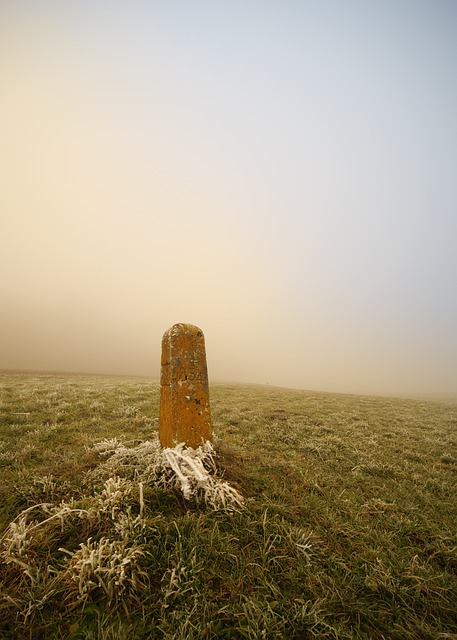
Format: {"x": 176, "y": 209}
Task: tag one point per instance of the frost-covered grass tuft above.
{"x": 191, "y": 471}
{"x": 108, "y": 566}
{"x": 194, "y": 475}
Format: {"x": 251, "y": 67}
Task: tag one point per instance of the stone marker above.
{"x": 184, "y": 391}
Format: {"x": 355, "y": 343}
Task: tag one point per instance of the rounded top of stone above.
{"x": 181, "y": 328}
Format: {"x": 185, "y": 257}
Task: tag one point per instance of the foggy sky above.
{"x": 281, "y": 174}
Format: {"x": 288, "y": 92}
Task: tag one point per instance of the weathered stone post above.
{"x": 185, "y": 414}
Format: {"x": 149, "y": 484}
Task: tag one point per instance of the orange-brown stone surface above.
{"x": 185, "y": 414}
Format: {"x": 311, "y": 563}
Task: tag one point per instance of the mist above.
{"x": 280, "y": 174}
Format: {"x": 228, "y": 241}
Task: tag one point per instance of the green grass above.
{"x": 348, "y": 528}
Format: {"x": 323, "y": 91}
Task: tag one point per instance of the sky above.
{"x": 281, "y": 174}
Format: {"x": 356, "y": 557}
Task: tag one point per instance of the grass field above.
{"x": 348, "y": 527}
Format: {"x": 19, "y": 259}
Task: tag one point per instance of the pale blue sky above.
{"x": 282, "y": 174}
